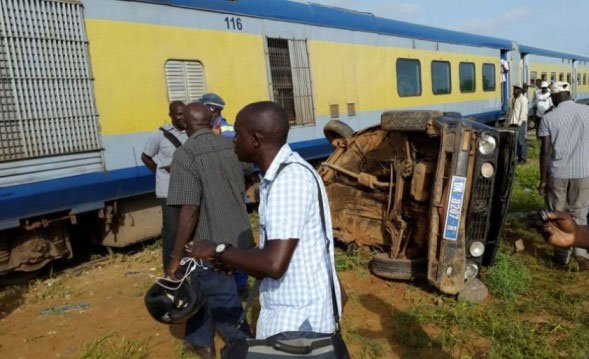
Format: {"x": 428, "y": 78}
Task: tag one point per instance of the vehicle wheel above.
{"x": 336, "y": 129}
{"x": 401, "y": 269}
{"x": 456, "y": 115}
{"x": 19, "y": 278}
{"x": 408, "y": 120}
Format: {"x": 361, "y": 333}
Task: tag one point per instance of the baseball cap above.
{"x": 544, "y": 84}
{"x": 212, "y": 99}
{"x": 560, "y": 86}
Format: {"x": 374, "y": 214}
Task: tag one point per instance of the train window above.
{"x": 543, "y": 76}
{"x": 441, "y": 79}
{"x": 561, "y": 76}
{"x": 466, "y": 73}
{"x": 553, "y": 77}
{"x": 408, "y": 77}
{"x": 584, "y": 79}
{"x": 578, "y": 79}
{"x": 290, "y": 76}
{"x": 569, "y": 78}
{"x": 185, "y": 79}
{"x": 489, "y": 77}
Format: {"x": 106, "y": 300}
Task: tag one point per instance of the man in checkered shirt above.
{"x": 207, "y": 184}
{"x": 295, "y": 293}
{"x": 564, "y": 163}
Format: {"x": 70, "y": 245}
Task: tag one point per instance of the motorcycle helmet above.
{"x": 170, "y": 302}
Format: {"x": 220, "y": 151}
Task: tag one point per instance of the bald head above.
{"x": 267, "y": 119}
{"x": 196, "y": 116}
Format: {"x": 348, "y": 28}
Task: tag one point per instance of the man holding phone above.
{"x": 560, "y": 230}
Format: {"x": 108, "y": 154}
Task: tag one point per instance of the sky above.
{"x": 561, "y": 25}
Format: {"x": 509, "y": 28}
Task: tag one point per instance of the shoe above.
{"x": 201, "y": 352}
{"x": 558, "y": 263}
{"x": 522, "y": 162}
{"x": 583, "y": 263}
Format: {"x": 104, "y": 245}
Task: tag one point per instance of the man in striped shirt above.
{"x": 564, "y": 163}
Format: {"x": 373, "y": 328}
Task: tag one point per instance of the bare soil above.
{"x": 113, "y": 292}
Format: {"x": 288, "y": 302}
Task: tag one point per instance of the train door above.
{"x": 48, "y": 119}
{"x": 575, "y": 79}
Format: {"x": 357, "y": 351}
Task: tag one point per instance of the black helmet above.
{"x": 173, "y": 306}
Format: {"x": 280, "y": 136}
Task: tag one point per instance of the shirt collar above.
{"x": 281, "y": 156}
{"x": 199, "y": 132}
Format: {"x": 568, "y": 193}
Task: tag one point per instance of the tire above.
{"x": 400, "y": 269}
{"x": 455, "y": 115}
{"x": 408, "y": 120}
{"x": 336, "y": 129}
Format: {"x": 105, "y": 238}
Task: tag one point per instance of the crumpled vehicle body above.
{"x": 423, "y": 188}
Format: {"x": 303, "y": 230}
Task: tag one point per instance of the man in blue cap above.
{"x": 216, "y": 105}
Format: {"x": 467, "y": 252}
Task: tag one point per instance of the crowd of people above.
{"x": 200, "y": 180}
{"x": 200, "y": 162}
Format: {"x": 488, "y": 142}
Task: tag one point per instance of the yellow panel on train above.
{"x": 126, "y": 55}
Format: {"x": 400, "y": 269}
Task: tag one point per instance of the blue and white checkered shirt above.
{"x": 568, "y": 128}
{"x": 301, "y": 298}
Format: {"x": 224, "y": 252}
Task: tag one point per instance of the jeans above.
{"x": 522, "y": 148}
{"x": 170, "y": 216}
{"x": 569, "y": 195}
{"x": 221, "y": 311}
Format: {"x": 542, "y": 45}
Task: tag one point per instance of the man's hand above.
{"x": 543, "y": 189}
{"x": 202, "y": 250}
{"x": 560, "y": 229}
{"x": 172, "y": 268}
{"x": 165, "y": 168}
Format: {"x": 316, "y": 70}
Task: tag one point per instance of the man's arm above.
{"x": 272, "y": 261}
{"x": 187, "y": 221}
{"x": 544, "y": 164}
{"x": 149, "y": 162}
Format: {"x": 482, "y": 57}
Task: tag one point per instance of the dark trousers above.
{"x": 170, "y": 217}
{"x": 221, "y": 311}
{"x": 522, "y": 147}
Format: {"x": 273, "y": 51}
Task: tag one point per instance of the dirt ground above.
{"x": 108, "y": 300}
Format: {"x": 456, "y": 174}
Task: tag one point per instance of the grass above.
{"x": 114, "y": 346}
{"x": 508, "y": 278}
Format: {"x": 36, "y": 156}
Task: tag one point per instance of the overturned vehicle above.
{"x": 427, "y": 189}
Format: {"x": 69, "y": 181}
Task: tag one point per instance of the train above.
{"x": 84, "y": 82}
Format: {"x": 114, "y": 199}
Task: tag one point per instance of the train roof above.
{"x": 531, "y": 50}
{"x": 321, "y": 15}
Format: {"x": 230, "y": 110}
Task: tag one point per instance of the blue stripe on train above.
{"x": 89, "y": 191}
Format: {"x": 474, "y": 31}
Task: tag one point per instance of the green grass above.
{"x": 508, "y": 278}
{"x": 524, "y": 195}
{"x": 114, "y": 346}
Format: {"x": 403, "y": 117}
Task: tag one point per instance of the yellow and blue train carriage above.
{"x": 84, "y": 83}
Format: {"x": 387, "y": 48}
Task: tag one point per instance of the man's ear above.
{"x": 256, "y": 137}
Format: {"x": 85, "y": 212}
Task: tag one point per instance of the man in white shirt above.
{"x": 518, "y": 117}
{"x": 543, "y": 101}
{"x": 157, "y": 156}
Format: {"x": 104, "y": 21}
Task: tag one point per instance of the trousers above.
{"x": 221, "y": 311}
{"x": 522, "y": 146}
{"x": 569, "y": 195}
{"x": 170, "y": 217}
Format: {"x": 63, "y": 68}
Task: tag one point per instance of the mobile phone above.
{"x": 543, "y": 215}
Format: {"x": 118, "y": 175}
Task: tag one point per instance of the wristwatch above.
{"x": 220, "y": 248}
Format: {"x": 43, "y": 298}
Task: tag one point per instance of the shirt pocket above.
{"x": 166, "y": 152}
